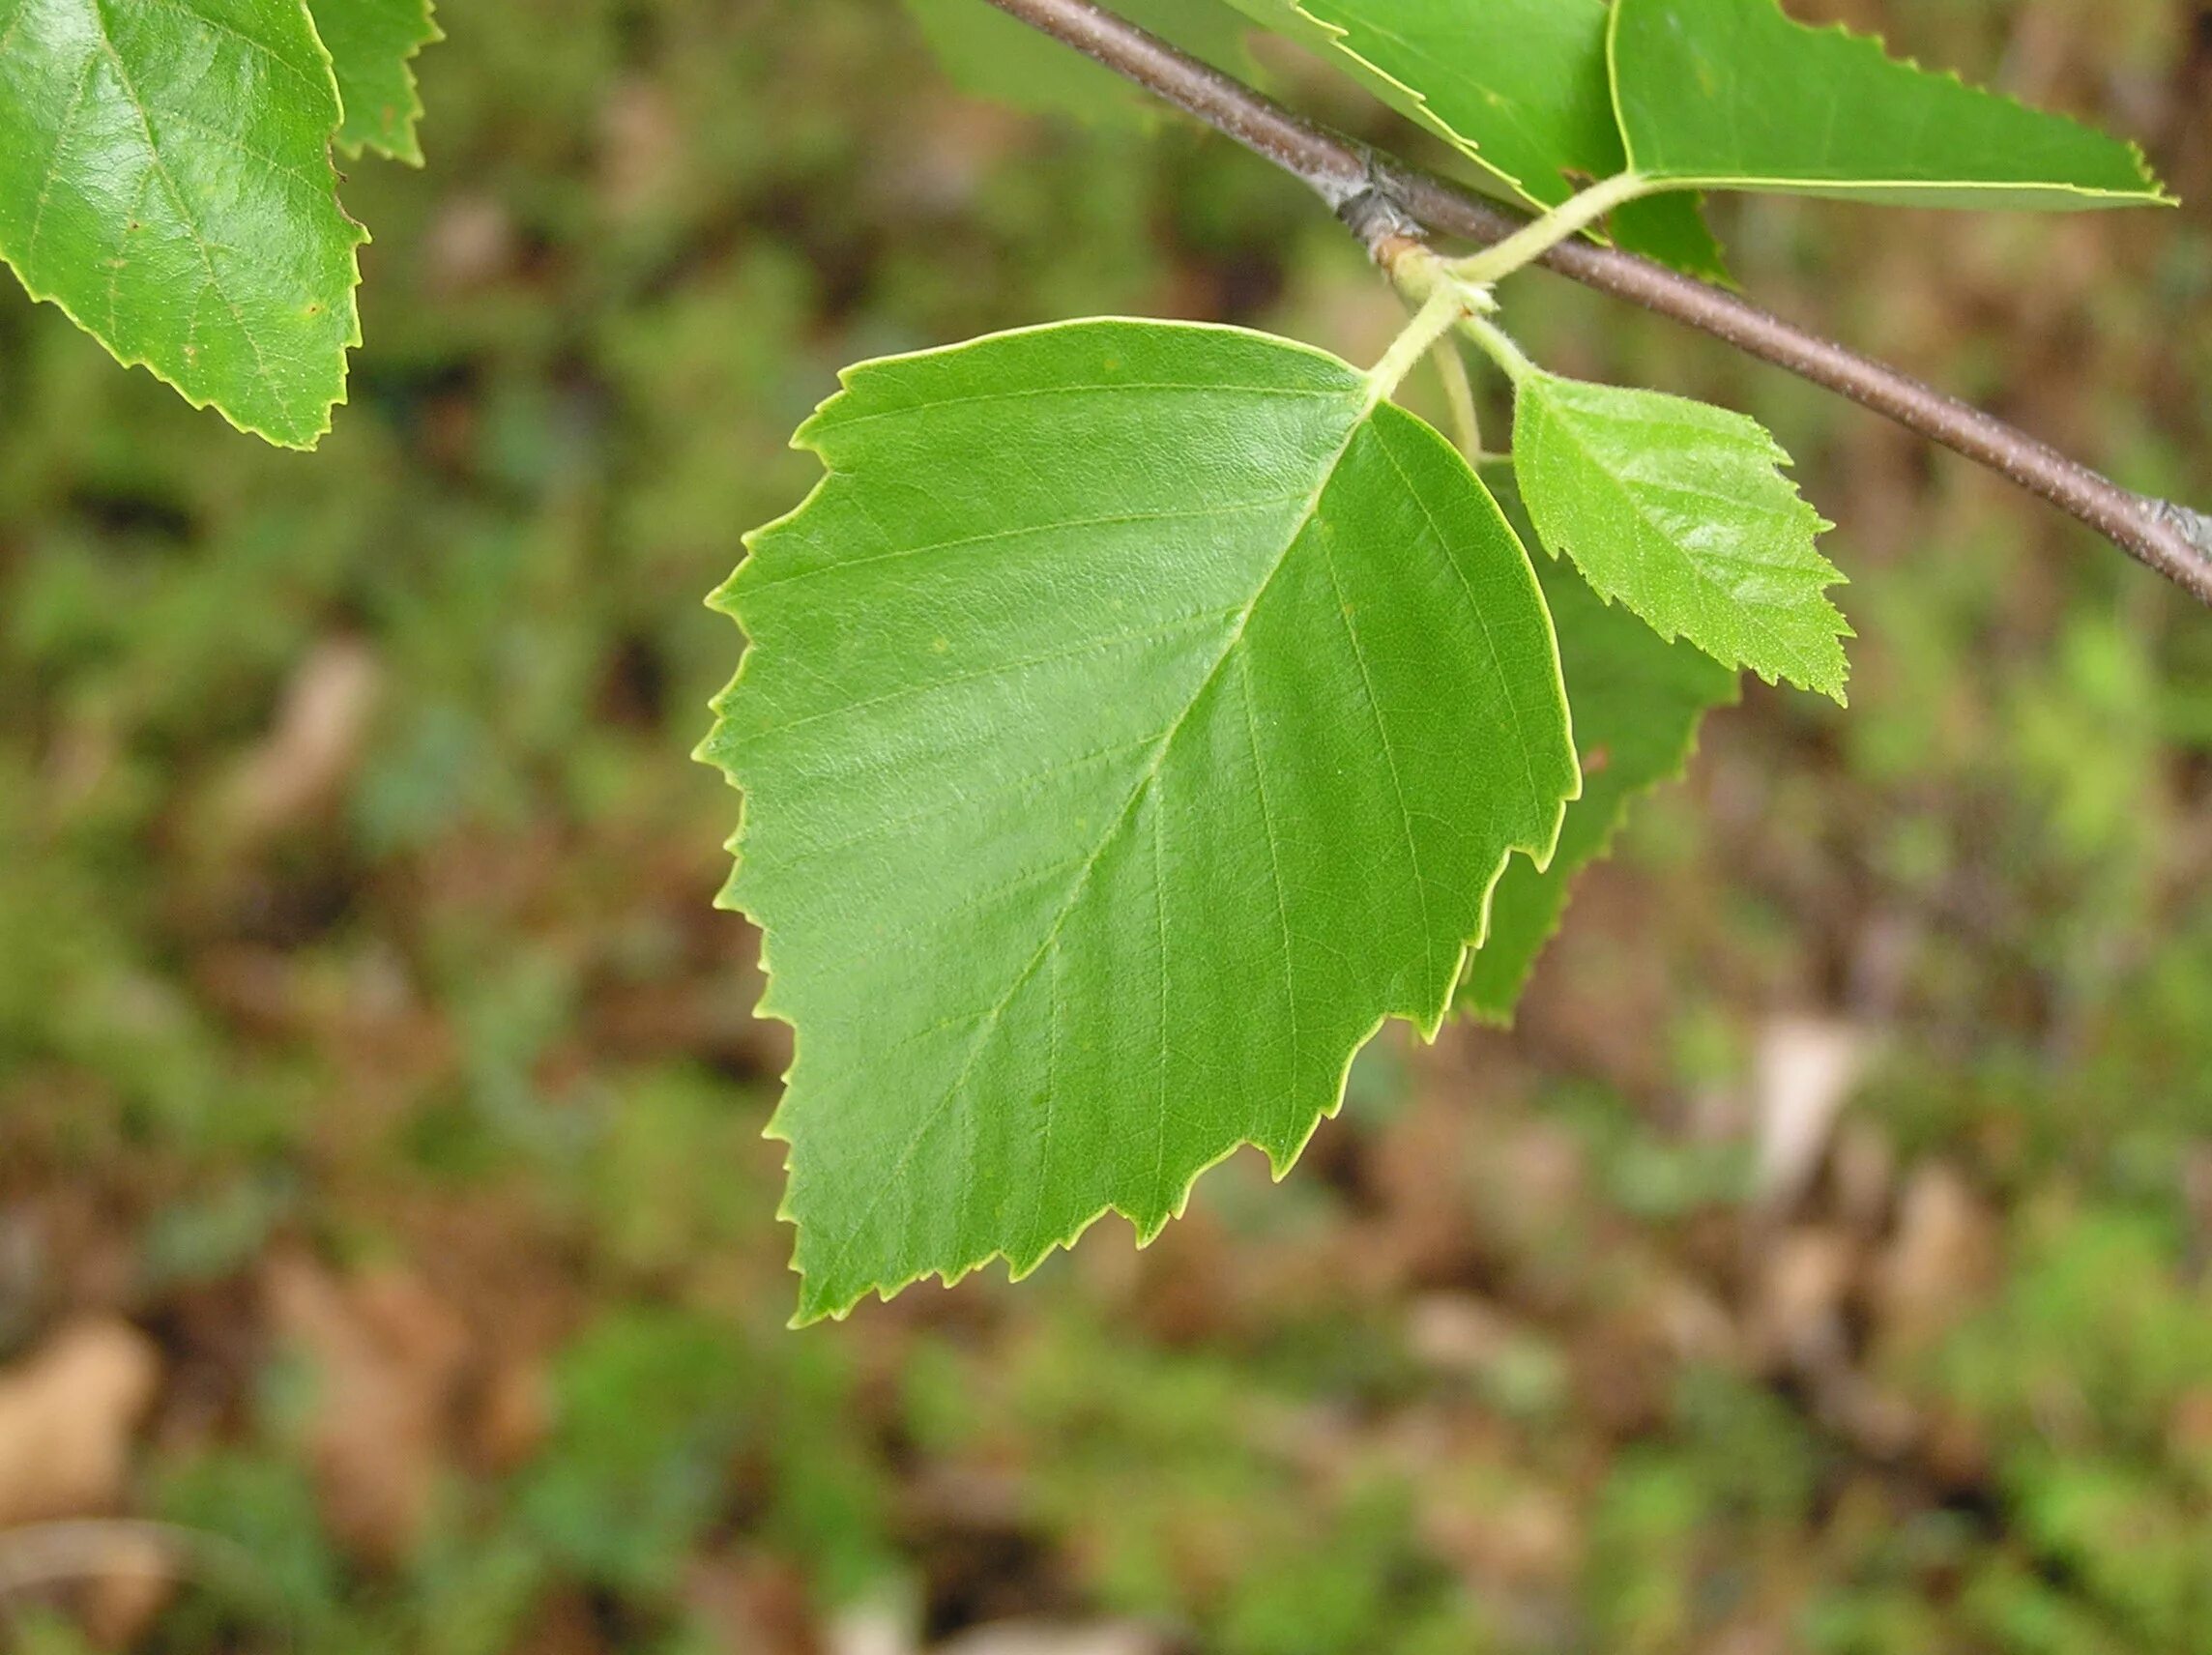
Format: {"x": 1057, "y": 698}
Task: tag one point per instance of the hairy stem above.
{"x": 1387, "y": 204}
{"x": 1500, "y": 347}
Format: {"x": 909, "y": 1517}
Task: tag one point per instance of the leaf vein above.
{"x": 843, "y": 1247}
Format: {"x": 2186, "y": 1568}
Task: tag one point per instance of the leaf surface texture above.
{"x": 1520, "y": 86}
{"x": 1681, "y": 511}
{"x": 1734, "y": 94}
{"x": 165, "y": 178}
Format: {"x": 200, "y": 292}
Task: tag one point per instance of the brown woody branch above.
{"x": 1380, "y": 197}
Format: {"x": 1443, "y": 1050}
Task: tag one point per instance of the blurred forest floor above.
{"x": 387, "y": 1245}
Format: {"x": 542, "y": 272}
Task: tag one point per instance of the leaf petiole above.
{"x": 1570, "y": 218}
{"x": 1459, "y": 397}
{"x": 1444, "y": 310}
{"x": 1498, "y": 346}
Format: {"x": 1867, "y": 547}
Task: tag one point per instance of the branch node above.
{"x": 1371, "y": 210}
{"x": 2194, "y": 526}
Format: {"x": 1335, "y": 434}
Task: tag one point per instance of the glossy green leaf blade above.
{"x": 1135, "y": 718}
{"x": 1682, "y": 511}
{"x": 1518, "y": 86}
{"x": 372, "y": 46}
{"x": 165, "y": 178}
{"x": 990, "y": 55}
{"x": 1638, "y": 702}
{"x": 1733, "y": 95}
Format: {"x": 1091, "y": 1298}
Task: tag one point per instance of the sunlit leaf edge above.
{"x": 2154, "y": 191}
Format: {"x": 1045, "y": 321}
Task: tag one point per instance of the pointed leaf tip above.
{"x": 372, "y": 46}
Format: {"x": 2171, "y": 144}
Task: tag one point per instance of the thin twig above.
{"x": 1384, "y": 200}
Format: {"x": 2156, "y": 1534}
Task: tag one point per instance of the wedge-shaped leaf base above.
{"x": 1681, "y": 511}
{"x": 1136, "y": 716}
{"x": 1733, "y": 95}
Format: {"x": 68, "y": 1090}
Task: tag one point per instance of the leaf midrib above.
{"x": 1145, "y": 781}
{"x": 99, "y": 11}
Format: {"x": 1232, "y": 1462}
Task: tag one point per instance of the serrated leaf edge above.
{"x": 1713, "y": 269}
{"x": 1784, "y": 466}
{"x": 412, "y": 155}
{"x": 1338, "y": 35}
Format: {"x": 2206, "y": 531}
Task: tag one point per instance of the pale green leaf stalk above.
{"x": 1564, "y": 222}
{"x": 1135, "y": 718}
{"x": 1639, "y": 703}
{"x": 1681, "y": 511}
{"x": 165, "y": 178}
{"x": 1734, "y": 94}
{"x": 372, "y": 46}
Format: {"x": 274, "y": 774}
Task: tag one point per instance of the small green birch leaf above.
{"x": 990, "y": 55}
{"x": 1135, "y": 718}
{"x": 1682, "y": 511}
{"x": 372, "y": 46}
{"x": 1734, "y": 94}
{"x": 1638, "y": 702}
{"x": 1518, "y": 86}
{"x": 165, "y": 178}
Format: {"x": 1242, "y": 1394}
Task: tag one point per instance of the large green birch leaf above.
{"x": 1638, "y": 702}
{"x": 1682, "y": 511}
{"x": 1733, "y": 95}
{"x": 372, "y": 46}
{"x": 1518, "y": 86}
{"x": 165, "y": 178}
{"x": 1135, "y": 718}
